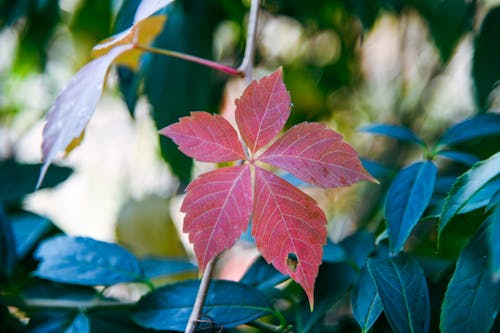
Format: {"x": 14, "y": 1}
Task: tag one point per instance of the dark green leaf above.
{"x": 59, "y": 321}
{"x": 472, "y": 299}
{"x": 18, "y": 180}
{"x": 494, "y": 231}
{"x": 175, "y": 87}
{"x": 156, "y": 267}
{"x": 407, "y": 198}
{"x": 129, "y": 80}
{"x": 334, "y": 253}
{"x": 376, "y": 169}
{"x": 448, "y": 21}
{"x": 8, "y": 255}
{"x": 482, "y": 125}
{"x": 365, "y": 301}
{"x": 28, "y": 229}
{"x": 458, "y": 156}
{"x": 358, "y": 247}
{"x": 482, "y": 197}
{"x": 119, "y": 321}
{"x": 262, "y": 275}
{"x": 227, "y": 303}
{"x": 467, "y": 186}
{"x": 485, "y": 64}
{"x": 92, "y": 20}
{"x": 393, "y": 131}
{"x": 332, "y": 283}
{"x": 85, "y": 261}
{"x": 403, "y": 291}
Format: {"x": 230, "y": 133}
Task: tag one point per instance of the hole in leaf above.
{"x": 292, "y": 261}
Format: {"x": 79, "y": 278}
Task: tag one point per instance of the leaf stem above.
{"x": 200, "y": 296}
{"x": 247, "y": 63}
{"x": 205, "y": 62}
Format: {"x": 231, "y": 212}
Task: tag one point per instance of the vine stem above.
{"x": 246, "y": 70}
{"x": 200, "y": 296}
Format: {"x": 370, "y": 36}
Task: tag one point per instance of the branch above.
{"x": 200, "y": 297}
{"x": 247, "y": 64}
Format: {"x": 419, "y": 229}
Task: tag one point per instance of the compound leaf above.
{"x": 85, "y": 261}
{"x": 206, "y": 138}
{"x": 262, "y": 110}
{"x": 467, "y": 186}
{"x": 407, "y": 199}
{"x": 227, "y": 304}
{"x": 403, "y": 291}
{"x": 289, "y": 229}
{"x": 317, "y": 155}
{"x": 218, "y": 205}
{"x": 472, "y": 298}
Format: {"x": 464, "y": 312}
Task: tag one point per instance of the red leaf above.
{"x": 218, "y": 205}
{"x": 74, "y": 107}
{"x": 317, "y": 155}
{"x": 289, "y": 229}
{"x": 206, "y": 137}
{"x": 262, "y": 110}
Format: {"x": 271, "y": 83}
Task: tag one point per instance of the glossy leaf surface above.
{"x": 85, "y": 261}
{"x": 28, "y": 229}
{"x": 289, "y": 229}
{"x": 262, "y": 110}
{"x": 365, "y": 301}
{"x": 228, "y": 304}
{"x": 403, "y": 291}
{"x": 393, "y": 131}
{"x": 218, "y": 205}
{"x": 468, "y": 185}
{"x": 407, "y": 199}
{"x": 482, "y": 197}
{"x": 317, "y": 155}
{"x": 206, "y": 138}
{"x": 472, "y": 299}
{"x": 458, "y": 156}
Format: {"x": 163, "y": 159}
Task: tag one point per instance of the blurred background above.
{"x": 422, "y": 64}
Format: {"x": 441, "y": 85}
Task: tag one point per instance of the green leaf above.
{"x": 407, "y": 198}
{"x": 358, "y": 247}
{"x": 333, "y": 281}
{"x": 156, "y": 267}
{"x": 28, "y": 229}
{"x": 393, "y": 131}
{"x": 8, "y": 255}
{"x": 467, "y": 186}
{"x": 482, "y": 197}
{"x": 365, "y": 301}
{"x": 18, "y": 180}
{"x": 458, "y": 156}
{"x": 59, "y": 321}
{"x": 448, "y": 21}
{"x": 175, "y": 87}
{"x": 494, "y": 231}
{"x": 85, "y": 261}
{"x": 403, "y": 291}
{"x": 262, "y": 275}
{"x": 227, "y": 303}
{"x": 472, "y": 299}
{"x": 487, "y": 124}
{"x": 106, "y": 321}
{"x": 485, "y": 64}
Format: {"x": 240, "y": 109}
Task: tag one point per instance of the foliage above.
{"x": 424, "y": 254}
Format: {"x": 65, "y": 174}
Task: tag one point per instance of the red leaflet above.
{"x": 289, "y": 229}
{"x": 218, "y": 205}
{"x": 288, "y": 226}
{"x": 317, "y": 155}
{"x": 206, "y": 137}
{"x": 262, "y": 110}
